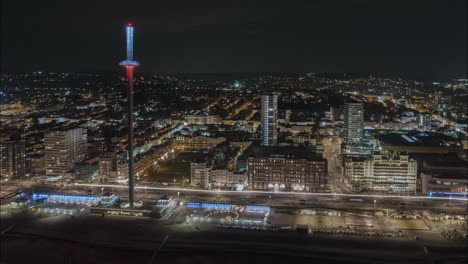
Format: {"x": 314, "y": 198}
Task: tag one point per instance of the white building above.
{"x": 63, "y": 148}
{"x": 226, "y": 178}
{"x": 200, "y": 174}
{"x": 382, "y": 173}
{"x": 203, "y": 175}
{"x": 269, "y": 119}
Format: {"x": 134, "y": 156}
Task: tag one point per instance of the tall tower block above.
{"x": 129, "y": 64}
{"x": 353, "y": 122}
{"x": 269, "y": 120}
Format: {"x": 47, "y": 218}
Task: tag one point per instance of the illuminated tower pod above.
{"x": 269, "y": 120}
{"x": 129, "y": 65}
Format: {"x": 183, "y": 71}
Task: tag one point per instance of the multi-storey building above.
{"x": 202, "y": 119}
{"x": 107, "y": 164}
{"x": 197, "y": 142}
{"x": 287, "y": 173}
{"x": 200, "y": 174}
{"x": 226, "y": 178}
{"x": 382, "y": 173}
{"x": 12, "y": 158}
{"x": 204, "y": 175}
{"x": 353, "y": 122}
{"x": 86, "y": 171}
{"x": 63, "y": 148}
{"x": 443, "y": 175}
{"x": 269, "y": 119}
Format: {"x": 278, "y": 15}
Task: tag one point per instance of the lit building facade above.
{"x": 353, "y": 122}
{"x": 202, "y": 119}
{"x": 269, "y": 119}
{"x": 12, "y": 159}
{"x": 226, "y": 178}
{"x": 204, "y": 175}
{"x": 283, "y": 173}
{"x": 200, "y": 174}
{"x": 197, "y": 142}
{"x": 382, "y": 173}
{"x": 107, "y": 164}
{"x": 63, "y": 148}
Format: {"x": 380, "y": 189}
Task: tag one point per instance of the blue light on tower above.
{"x": 129, "y": 61}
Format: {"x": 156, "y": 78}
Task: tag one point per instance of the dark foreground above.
{"x": 95, "y": 239}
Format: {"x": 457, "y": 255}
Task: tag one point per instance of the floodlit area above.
{"x": 408, "y": 224}
{"x": 325, "y": 222}
{"x": 320, "y": 219}
{"x": 66, "y": 198}
{"x": 227, "y": 214}
{"x": 62, "y": 209}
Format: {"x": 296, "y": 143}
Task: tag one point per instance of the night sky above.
{"x": 418, "y": 39}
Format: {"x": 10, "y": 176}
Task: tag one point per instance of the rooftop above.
{"x": 416, "y": 138}
{"x": 289, "y": 152}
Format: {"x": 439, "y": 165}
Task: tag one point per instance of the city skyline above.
{"x": 299, "y": 132}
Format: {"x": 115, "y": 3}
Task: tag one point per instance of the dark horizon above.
{"x": 243, "y": 75}
{"x": 421, "y": 40}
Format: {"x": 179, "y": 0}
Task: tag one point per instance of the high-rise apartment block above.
{"x": 353, "y": 122}
{"x": 269, "y": 115}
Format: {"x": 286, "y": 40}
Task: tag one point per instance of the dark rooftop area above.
{"x": 416, "y": 138}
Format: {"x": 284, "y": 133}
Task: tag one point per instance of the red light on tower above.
{"x": 129, "y": 24}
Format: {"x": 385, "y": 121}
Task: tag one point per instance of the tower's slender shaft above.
{"x": 130, "y": 135}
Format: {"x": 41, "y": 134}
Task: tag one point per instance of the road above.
{"x": 276, "y": 199}
{"x": 292, "y": 199}
{"x": 331, "y": 152}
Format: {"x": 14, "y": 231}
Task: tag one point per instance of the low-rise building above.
{"x": 197, "y": 142}
{"x": 444, "y": 175}
{"x": 418, "y": 142}
{"x": 202, "y": 120}
{"x": 226, "y": 178}
{"x": 202, "y": 174}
